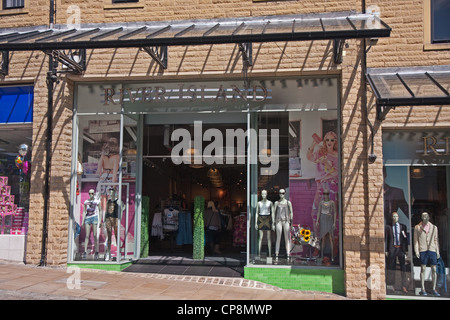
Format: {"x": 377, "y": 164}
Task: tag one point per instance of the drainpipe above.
{"x": 51, "y": 80}
{"x": 372, "y": 157}
{"x": 52, "y": 13}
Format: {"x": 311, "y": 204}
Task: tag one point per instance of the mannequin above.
{"x": 283, "y": 220}
{"x": 326, "y": 220}
{"x": 396, "y": 242}
{"x": 90, "y": 221}
{"x": 264, "y": 220}
{"x": 212, "y": 226}
{"x": 111, "y": 217}
{"x": 426, "y": 247}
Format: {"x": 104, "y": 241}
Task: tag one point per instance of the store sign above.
{"x": 184, "y": 93}
{"x": 436, "y": 146}
{"x": 408, "y": 147}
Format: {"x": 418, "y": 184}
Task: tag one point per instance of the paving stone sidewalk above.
{"x": 29, "y": 282}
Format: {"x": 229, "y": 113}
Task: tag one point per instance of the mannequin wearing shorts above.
{"x": 264, "y": 220}
{"x": 90, "y": 221}
{"x": 426, "y": 247}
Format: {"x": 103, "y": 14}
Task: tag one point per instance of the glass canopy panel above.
{"x": 249, "y": 29}
{"x": 195, "y": 30}
{"x": 169, "y": 32}
{"x": 27, "y": 36}
{"x": 276, "y": 27}
{"x": 443, "y": 79}
{"x": 368, "y": 23}
{"x": 109, "y": 34}
{"x": 307, "y": 25}
{"x": 421, "y": 85}
{"x": 425, "y": 85}
{"x": 224, "y": 29}
{"x": 336, "y": 24}
{"x": 390, "y": 86}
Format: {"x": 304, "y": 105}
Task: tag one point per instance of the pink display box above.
{"x": 5, "y": 190}
{"x": 8, "y": 199}
{"x": 3, "y": 181}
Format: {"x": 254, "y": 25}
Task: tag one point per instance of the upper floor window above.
{"x": 13, "y": 4}
{"x": 440, "y": 22}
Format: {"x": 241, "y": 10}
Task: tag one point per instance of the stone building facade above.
{"x": 361, "y": 182}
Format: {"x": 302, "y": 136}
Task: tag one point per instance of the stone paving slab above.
{"x": 51, "y": 283}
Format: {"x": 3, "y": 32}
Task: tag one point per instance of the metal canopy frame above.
{"x": 409, "y": 86}
{"x": 154, "y": 37}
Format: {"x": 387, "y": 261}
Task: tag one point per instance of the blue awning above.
{"x": 16, "y": 104}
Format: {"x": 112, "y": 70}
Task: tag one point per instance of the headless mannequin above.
{"x": 90, "y": 221}
{"x": 327, "y": 206}
{"x": 423, "y": 247}
{"x": 266, "y": 222}
{"x": 111, "y": 217}
{"x": 282, "y": 223}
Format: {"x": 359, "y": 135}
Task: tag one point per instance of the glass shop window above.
{"x": 297, "y": 217}
{"x": 15, "y": 168}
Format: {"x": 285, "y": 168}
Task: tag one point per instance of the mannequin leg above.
{"x": 109, "y": 234}
{"x": 261, "y": 234}
{"x": 331, "y": 245}
{"x": 95, "y": 241}
{"x": 87, "y": 228}
{"x": 269, "y": 244}
{"x": 322, "y": 245}
{"x": 278, "y": 229}
{"x": 422, "y": 276}
{"x": 433, "y": 276}
{"x": 116, "y": 234}
{"x": 287, "y": 241}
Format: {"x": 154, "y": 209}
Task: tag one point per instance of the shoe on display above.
{"x": 107, "y": 256}
{"x": 83, "y": 256}
{"x": 423, "y": 293}
{"x": 436, "y": 294}
{"x": 96, "y": 256}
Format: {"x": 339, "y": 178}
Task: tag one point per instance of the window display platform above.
{"x": 101, "y": 265}
{"x": 325, "y": 280}
{"x": 12, "y": 247}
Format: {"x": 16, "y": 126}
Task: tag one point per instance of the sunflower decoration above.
{"x": 306, "y": 235}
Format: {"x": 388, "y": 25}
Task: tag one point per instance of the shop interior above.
{"x": 172, "y": 187}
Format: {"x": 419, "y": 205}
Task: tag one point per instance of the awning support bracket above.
{"x": 4, "y": 70}
{"x": 338, "y": 50}
{"x": 382, "y": 111}
{"x": 247, "y": 53}
{"x": 74, "y": 60}
{"x": 159, "y": 54}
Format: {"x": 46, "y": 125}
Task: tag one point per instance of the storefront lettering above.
{"x": 184, "y": 93}
{"x": 431, "y": 146}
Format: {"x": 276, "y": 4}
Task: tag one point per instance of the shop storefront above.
{"x": 416, "y": 166}
{"x": 16, "y": 116}
{"x": 158, "y": 146}
{"x": 155, "y": 137}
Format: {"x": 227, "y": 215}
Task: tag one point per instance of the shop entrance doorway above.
{"x": 170, "y": 188}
